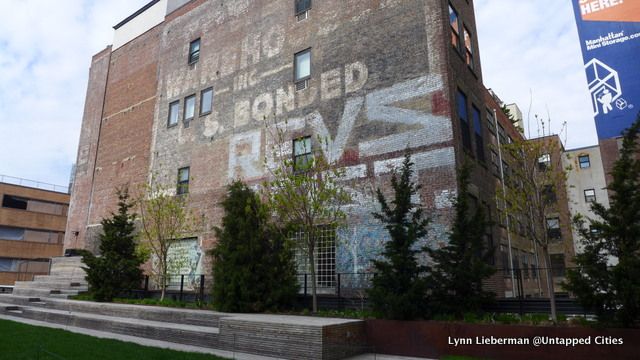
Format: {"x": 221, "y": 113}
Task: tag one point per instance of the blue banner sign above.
{"x": 610, "y": 39}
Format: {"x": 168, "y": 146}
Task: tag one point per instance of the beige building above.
{"x": 586, "y": 183}
{"x": 32, "y": 225}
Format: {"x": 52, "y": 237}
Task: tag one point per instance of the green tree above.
{"x": 536, "y": 174}
{"x": 165, "y": 219}
{"x": 253, "y": 267}
{"x": 118, "y": 266}
{"x": 305, "y": 195}
{"x": 461, "y": 266}
{"x": 399, "y": 285}
{"x": 613, "y": 291}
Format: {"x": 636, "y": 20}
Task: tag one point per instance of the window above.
{"x": 183, "y": 181}
{"x": 557, "y": 265}
{"x": 553, "y": 228}
{"x": 302, "y": 153}
{"x": 325, "y": 256}
{"x": 455, "y": 27}
{"x": 14, "y": 202}
{"x": 468, "y": 56}
{"x": 302, "y": 9}
{"x": 549, "y": 194}
{"x": 525, "y": 265}
{"x": 495, "y": 163}
{"x": 544, "y": 162}
{"x": 464, "y": 119}
{"x": 584, "y": 161}
{"x": 504, "y": 257}
{"x": 189, "y": 109}
{"x": 491, "y": 125}
{"x": 502, "y": 135}
{"x": 194, "y": 51}
{"x": 46, "y": 207}
{"x": 477, "y": 127}
{"x": 534, "y": 271}
{"x": 174, "y": 109}
{"x": 302, "y": 69}
{"x": 39, "y": 236}
{"x": 590, "y": 195}
{"x": 206, "y": 101}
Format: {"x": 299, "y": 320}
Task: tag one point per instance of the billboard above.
{"x": 610, "y": 39}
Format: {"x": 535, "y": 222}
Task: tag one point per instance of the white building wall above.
{"x": 581, "y": 179}
{"x": 140, "y": 24}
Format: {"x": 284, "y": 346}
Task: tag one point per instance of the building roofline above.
{"x": 132, "y": 16}
{"x": 583, "y": 148}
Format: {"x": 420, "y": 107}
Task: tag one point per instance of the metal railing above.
{"x": 33, "y": 183}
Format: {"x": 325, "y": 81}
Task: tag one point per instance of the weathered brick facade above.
{"x": 384, "y": 78}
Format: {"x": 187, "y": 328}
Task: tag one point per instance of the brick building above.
{"x": 32, "y": 225}
{"x": 188, "y": 90}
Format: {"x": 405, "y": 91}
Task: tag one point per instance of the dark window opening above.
{"x": 553, "y": 228}
{"x": 302, "y": 9}
{"x": 464, "y": 120}
{"x": 174, "y": 111}
{"x": 183, "y": 181}
{"x": 468, "y": 55}
{"x": 455, "y": 27}
{"x": 14, "y": 202}
{"x": 302, "y": 154}
{"x": 194, "y": 51}
{"x": 477, "y": 127}
{"x": 544, "y": 162}
{"x": 557, "y": 265}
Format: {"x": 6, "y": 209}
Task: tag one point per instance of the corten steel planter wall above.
{"x": 430, "y": 339}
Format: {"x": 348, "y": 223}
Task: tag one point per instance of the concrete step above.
{"x": 80, "y": 278}
{"x": 49, "y": 284}
{"x": 38, "y": 292}
{"x": 153, "y": 313}
{"x": 203, "y": 336}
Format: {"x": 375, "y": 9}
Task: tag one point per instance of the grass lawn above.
{"x": 21, "y": 342}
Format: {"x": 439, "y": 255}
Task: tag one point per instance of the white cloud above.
{"x": 532, "y": 47}
{"x": 45, "y": 53}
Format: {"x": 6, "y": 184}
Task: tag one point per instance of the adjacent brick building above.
{"x": 190, "y": 92}
{"x": 32, "y": 225}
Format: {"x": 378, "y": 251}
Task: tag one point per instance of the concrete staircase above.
{"x": 275, "y": 336}
{"x": 66, "y": 278}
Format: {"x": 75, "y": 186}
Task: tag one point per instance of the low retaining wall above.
{"x": 432, "y": 339}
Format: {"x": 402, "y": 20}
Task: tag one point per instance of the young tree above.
{"x": 165, "y": 219}
{"x": 613, "y": 291}
{"x": 461, "y": 266}
{"x": 399, "y": 285}
{"x": 305, "y": 194}
{"x": 532, "y": 181}
{"x": 118, "y": 267}
{"x": 253, "y": 267}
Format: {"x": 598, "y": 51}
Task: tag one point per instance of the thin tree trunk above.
{"x": 313, "y": 280}
{"x": 550, "y": 287}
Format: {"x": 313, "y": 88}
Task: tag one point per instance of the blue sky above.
{"x": 526, "y": 46}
